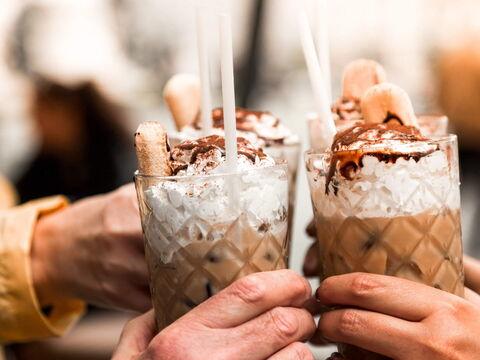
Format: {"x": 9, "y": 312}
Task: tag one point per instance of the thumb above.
{"x": 136, "y": 336}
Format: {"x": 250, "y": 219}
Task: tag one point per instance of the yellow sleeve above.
{"x": 21, "y": 318}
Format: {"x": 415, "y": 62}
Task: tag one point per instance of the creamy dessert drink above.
{"x": 358, "y": 77}
{"x": 264, "y": 130}
{"x": 386, "y": 200}
{"x": 261, "y": 128}
{"x": 204, "y": 228}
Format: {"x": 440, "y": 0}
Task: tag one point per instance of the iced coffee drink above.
{"x": 386, "y": 200}
{"x": 204, "y": 228}
{"x": 262, "y": 129}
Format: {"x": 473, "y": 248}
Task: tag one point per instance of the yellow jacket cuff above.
{"x": 21, "y": 318}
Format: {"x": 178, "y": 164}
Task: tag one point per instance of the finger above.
{"x": 472, "y": 273}
{"x": 311, "y": 229}
{"x": 375, "y": 332}
{"x": 318, "y": 339}
{"x": 138, "y": 270}
{"x": 311, "y": 263}
{"x": 143, "y": 301}
{"x": 472, "y": 296}
{"x": 272, "y": 331}
{"x": 251, "y": 296}
{"x": 297, "y": 350}
{"x": 138, "y": 299}
{"x": 315, "y": 307}
{"x": 385, "y": 294}
{"x": 136, "y": 336}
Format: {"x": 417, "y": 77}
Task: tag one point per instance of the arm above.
{"x": 21, "y": 317}
{"x": 53, "y": 255}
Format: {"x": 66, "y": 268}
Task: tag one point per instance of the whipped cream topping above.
{"x": 379, "y": 189}
{"x": 207, "y": 156}
{"x": 384, "y": 170}
{"x": 260, "y": 127}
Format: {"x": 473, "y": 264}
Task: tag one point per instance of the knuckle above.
{"x": 349, "y": 323}
{"x": 301, "y": 352}
{"x": 362, "y": 285}
{"x": 458, "y": 307}
{"x": 167, "y": 345}
{"x": 284, "y": 322}
{"x": 298, "y": 285}
{"x": 249, "y": 289}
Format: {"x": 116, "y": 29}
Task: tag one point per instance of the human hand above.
{"x": 258, "y": 317}
{"x": 399, "y": 318}
{"x": 93, "y": 250}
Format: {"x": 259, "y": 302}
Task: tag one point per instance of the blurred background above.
{"x": 76, "y": 78}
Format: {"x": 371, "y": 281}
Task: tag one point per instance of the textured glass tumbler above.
{"x": 204, "y": 232}
{"x": 289, "y": 154}
{"x": 392, "y": 239}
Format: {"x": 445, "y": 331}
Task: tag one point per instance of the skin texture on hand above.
{"x": 258, "y": 317}
{"x": 399, "y": 318}
{"x": 93, "y": 250}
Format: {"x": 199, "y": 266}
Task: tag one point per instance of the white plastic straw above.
{"x": 323, "y": 44}
{"x": 228, "y": 92}
{"x": 316, "y": 78}
{"x": 204, "y": 68}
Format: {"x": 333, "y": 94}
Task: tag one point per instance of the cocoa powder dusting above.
{"x": 204, "y": 146}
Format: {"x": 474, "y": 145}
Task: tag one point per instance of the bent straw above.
{"x": 316, "y": 79}
{"x": 204, "y": 68}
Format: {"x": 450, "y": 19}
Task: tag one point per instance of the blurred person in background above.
{"x": 458, "y": 77}
{"x": 83, "y": 145}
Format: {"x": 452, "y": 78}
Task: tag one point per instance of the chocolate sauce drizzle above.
{"x": 246, "y": 120}
{"x": 209, "y": 143}
{"x": 348, "y": 161}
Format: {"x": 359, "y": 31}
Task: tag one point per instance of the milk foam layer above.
{"x": 186, "y": 208}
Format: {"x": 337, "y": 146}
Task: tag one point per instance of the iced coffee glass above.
{"x": 433, "y": 125}
{"x": 398, "y": 218}
{"x": 289, "y": 154}
{"x": 204, "y": 232}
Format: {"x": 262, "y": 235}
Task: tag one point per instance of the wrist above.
{"x": 46, "y": 272}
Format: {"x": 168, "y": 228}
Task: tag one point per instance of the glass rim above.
{"x": 433, "y": 140}
{"x": 433, "y": 115}
{"x": 278, "y": 165}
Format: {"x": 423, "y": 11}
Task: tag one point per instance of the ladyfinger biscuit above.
{"x": 182, "y": 96}
{"x": 388, "y": 102}
{"x": 360, "y": 75}
{"x": 153, "y": 153}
